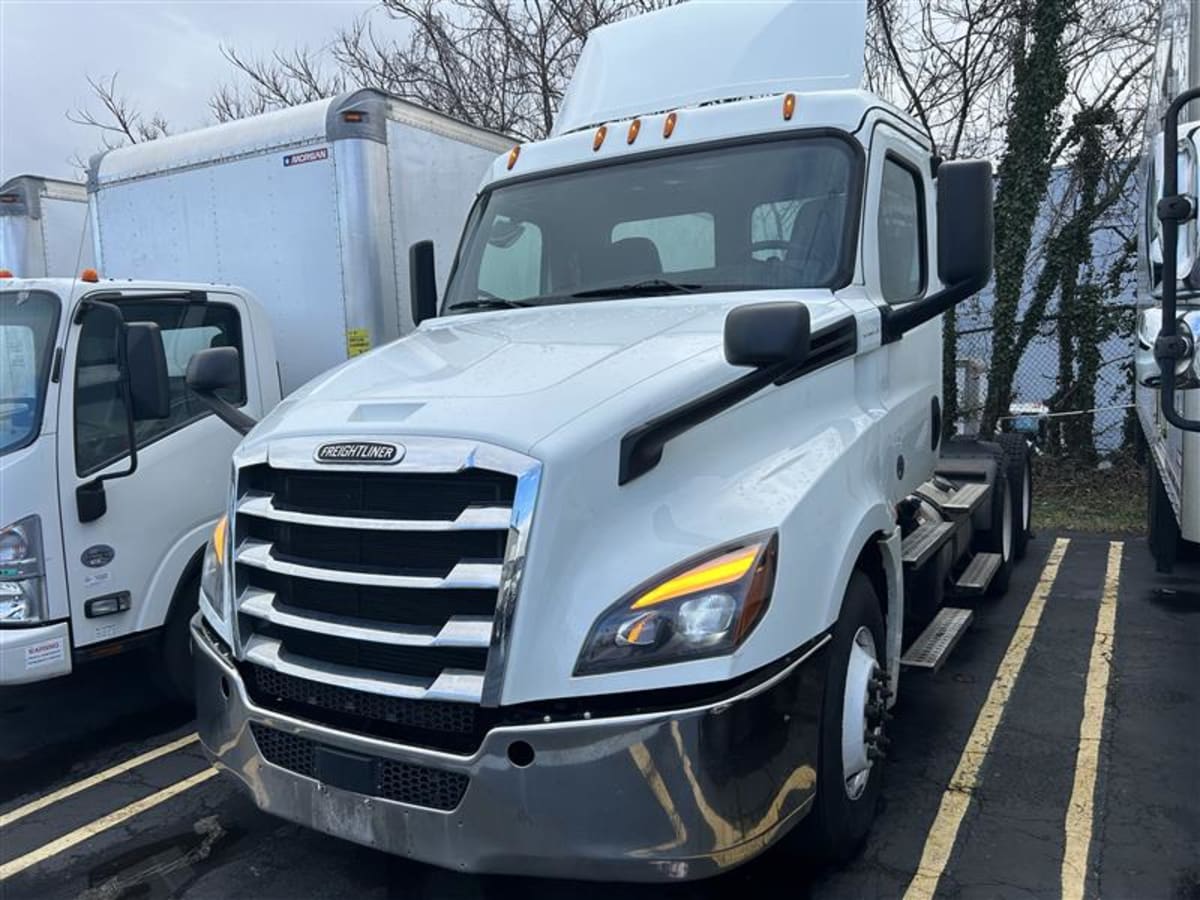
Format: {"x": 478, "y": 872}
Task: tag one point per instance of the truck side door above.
{"x": 158, "y": 518}
{"x": 898, "y": 268}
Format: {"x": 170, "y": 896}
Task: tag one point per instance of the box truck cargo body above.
{"x": 43, "y": 227}
{"x": 311, "y": 209}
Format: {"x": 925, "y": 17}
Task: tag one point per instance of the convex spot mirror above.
{"x": 1146, "y": 365}
{"x": 214, "y": 369}
{"x": 767, "y": 334}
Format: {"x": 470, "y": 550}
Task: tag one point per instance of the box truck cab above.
{"x": 608, "y": 570}
{"x": 105, "y": 502}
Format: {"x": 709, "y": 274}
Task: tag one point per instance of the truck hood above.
{"x": 513, "y": 377}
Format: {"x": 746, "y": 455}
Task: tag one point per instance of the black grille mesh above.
{"x": 452, "y": 727}
{"x": 402, "y": 782}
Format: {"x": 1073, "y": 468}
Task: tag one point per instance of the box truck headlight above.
{"x": 213, "y": 595}
{"x": 705, "y": 608}
{"x": 22, "y": 579}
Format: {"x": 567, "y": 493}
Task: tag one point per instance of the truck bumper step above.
{"x": 926, "y": 540}
{"x": 937, "y": 641}
{"x": 978, "y": 574}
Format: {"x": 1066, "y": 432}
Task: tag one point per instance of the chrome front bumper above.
{"x": 680, "y": 794}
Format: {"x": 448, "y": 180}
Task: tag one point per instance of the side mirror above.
{"x": 146, "y": 362}
{"x": 214, "y": 370}
{"x": 422, "y": 281}
{"x": 965, "y": 227}
{"x": 762, "y": 335}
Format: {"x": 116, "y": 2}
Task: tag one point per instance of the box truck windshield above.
{"x": 28, "y": 321}
{"x": 762, "y": 215}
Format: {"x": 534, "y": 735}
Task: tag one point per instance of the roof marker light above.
{"x": 669, "y": 125}
{"x": 91, "y": 276}
{"x": 634, "y": 127}
{"x": 6, "y": 273}
{"x": 354, "y": 115}
{"x": 789, "y": 107}
{"x": 512, "y": 156}
{"x": 598, "y": 140}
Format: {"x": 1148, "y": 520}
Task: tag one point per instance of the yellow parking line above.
{"x": 67, "y": 841}
{"x": 939, "y": 843}
{"x": 1091, "y": 729}
{"x": 62, "y": 793}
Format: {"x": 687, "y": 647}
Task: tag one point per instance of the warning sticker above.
{"x": 358, "y": 340}
{"x": 307, "y": 156}
{"x": 45, "y": 653}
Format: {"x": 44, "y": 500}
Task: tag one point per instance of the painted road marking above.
{"x": 1080, "y": 812}
{"x": 69, "y": 840}
{"x": 62, "y": 793}
{"x": 939, "y": 843}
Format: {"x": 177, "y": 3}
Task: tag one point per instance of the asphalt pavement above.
{"x": 1055, "y": 754}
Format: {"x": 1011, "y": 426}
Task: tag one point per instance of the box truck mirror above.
{"x": 149, "y": 388}
{"x": 767, "y": 334}
{"x": 213, "y": 370}
{"x": 965, "y": 224}
{"x": 422, "y": 281}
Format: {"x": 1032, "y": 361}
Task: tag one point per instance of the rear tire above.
{"x": 174, "y": 658}
{"x": 844, "y": 808}
{"x": 1017, "y": 466}
{"x": 1000, "y": 537}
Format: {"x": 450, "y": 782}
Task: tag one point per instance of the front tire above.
{"x": 176, "y": 672}
{"x": 850, "y": 756}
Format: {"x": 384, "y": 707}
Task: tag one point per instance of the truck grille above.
{"x": 363, "y": 596}
{"x": 402, "y": 782}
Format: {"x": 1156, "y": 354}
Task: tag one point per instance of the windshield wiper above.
{"x": 645, "y": 288}
{"x": 487, "y": 303}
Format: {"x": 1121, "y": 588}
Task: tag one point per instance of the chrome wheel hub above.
{"x": 863, "y": 713}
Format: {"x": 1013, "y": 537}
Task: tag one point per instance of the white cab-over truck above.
{"x": 100, "y": 550}
{"x": 607, "y": 570}
{"x": 43, "y": 227}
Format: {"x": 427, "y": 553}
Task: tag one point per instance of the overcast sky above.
{"x": 167, "y": 55}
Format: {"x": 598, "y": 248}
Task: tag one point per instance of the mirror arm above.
{"x": 227, "y": 413}
{"x": 899, "y": 319}
{"x": 1172, "y": 209}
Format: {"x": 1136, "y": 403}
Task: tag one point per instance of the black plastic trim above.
{"x": 642, "y": 447}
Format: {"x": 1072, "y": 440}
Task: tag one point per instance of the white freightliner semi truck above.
{"x": 43, "y": 227}
{"x": 608, "y": 569}
{"x": 100, "y": 549}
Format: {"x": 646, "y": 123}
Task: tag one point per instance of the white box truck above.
{"x": 607, "y": 570}
{"x": 312, "y": 209}
{"x": 101, "y": 547}
{"x": 43, "y": 227}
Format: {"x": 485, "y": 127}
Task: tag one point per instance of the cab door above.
{"x": 898, "y": 268}
{"x": 124, "y": 567}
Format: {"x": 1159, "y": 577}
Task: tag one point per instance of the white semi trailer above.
{"x": 106, "y": 505}
{"x": 608, "y": 570}
{"x": 43, "y": 227}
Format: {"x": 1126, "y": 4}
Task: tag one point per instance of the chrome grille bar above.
{"x": 459, "y": 631}
{"x": 474, "y": 518}
{"x": 451, "y": 685}
{"x": 464, "y": 575}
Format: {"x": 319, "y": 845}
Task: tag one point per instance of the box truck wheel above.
{"x": 852, "y": 742}
{"x": 1001, "y": 534}
{"x": 1016, "y": 465}
{"x": 174, "y": 658}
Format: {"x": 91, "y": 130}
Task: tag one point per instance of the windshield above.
{"x": 769, "y": 214}
{"x": 28, "y": 323}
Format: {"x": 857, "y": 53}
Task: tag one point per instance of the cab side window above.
{"x": 901, "y": 235}
{"x": 101, "y": 435}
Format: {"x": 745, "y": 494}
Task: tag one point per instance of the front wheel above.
{"x": 850, "y": 761}
{"x": 175, "y": 675}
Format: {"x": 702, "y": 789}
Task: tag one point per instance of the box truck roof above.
{"x": 358, "y": 114}
{"x": 707, "y": 52}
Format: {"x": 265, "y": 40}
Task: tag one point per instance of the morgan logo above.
{"x": 360, "y": 452}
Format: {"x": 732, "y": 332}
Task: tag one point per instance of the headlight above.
{"x": 212, "y": 572}
{"x": 22, "y": 585}
{"x": 707, "y": 607}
